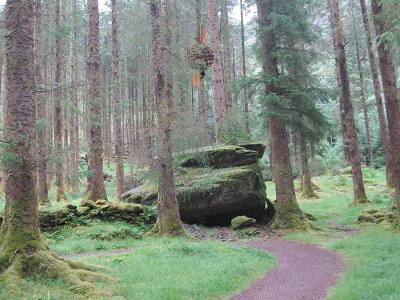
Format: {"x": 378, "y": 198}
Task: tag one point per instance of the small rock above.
{"x": 242, "y": 222}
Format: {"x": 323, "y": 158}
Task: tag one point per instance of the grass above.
{"x": 170, "y": 269}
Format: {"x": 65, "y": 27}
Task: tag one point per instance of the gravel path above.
{"x": 304, "y": 271}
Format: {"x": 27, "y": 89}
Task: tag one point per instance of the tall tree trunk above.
{"x": 19, "y": 234}
{"x": 244, "y": 71}
{"x": 119, "y": 142}
{"x": 95, "y": 181}
{"x": 350, "y": 126}
{"x": 168, "y": 222}
{"x": 227, "y": 53}
{"x": 201, "y": 89}
{"x": 362, "y": 91}
{"x": 219, "y": 93}
{"x": 60, "y": 194}
{"x": 288, "y": 213}
{"x": 307, "y": 186}
{"x": 391, "y": 97}
{"x": 75, "y": 105}
{"x": 378, "y": 99}
{"x": 41, "y": 151}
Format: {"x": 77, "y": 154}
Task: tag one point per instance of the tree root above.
{"x": 46, "y": 264}
{"x": 290, "y": 217}
{"x": 309, "y": 195}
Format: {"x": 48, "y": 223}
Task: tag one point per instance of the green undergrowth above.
{"x": 95, "y": 235}
{"x": 169, "y": 269}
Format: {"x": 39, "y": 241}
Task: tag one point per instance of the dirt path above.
{"x": 304, "y": 271}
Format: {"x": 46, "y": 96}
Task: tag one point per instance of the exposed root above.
{"x": 174, "y": 229}
{"x": 79, "y": 277}
{"x": 359, "y": 201}
{"x": 396, "y": 224}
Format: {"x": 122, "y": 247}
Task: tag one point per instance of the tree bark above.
{"x": 74, "y": 132}
{"x": 41, "y": 138}
{"x": 350, "y": 127}
{"x": 391, "y": 97}
{"x": 307, "y": 186}
{"x": 227, "y": 53}
{"x": 168, "y": 222}
{"x": 244, "y": 70}
{"x": 288, "y": 213}
{"x": 119, "y": 142}
{"x": 60, "y": 193}
{"x": 95, "y": 181}
{"x": 364, "y": 106}
{"x": 378, "y": 98}
{"x": 219, "y": 93}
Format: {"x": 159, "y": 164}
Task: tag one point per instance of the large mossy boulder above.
{"x": 217, "y": 157}
{"x": 213, "y": 194}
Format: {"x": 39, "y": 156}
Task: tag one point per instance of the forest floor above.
{"x": 149, "y": 268}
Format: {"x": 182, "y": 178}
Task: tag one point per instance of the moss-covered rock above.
{"x": 257, "y": 147}
{"x": 219, "y": 157}
{"x": 214, "y": 185}
{"x": 241, "y": 222}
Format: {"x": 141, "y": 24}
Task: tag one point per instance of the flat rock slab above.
{"x": 303, "y": 272}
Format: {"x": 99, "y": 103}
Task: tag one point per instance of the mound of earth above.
{"x": 214, "y": 185}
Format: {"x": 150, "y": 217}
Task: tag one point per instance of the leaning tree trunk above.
{"x": 360, "y": 196}
{"x": 219, "y": 93}
{"x": 41, "y": 139}
{"x": 119, "y": 142}
{"x": 391, "y": 97}
{"x": 378, "y": 99}
{"x": 168, "y": 222}
{"x": 23, "y": 251}
{"x": 288, "y": 213}
{"x": 60, "y": 194}
{"x": 95, "y": 180}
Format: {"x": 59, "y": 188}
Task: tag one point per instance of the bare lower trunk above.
{"x": 350, "y": 127}
{"x": 95, "y": 181}
{"x": 362, "y": 92}
{"x": 60, "y": 194}
{"x": 219, "y": 93}
{"x": 307, "y": 186}
{"x": 168, "y": 222}
{"x": 227, "y": 53}
{"x": 378, "y": 98}
{"x": 119, "y": 142}
{"x": 74, "y": 180}
{"x": 244, "y": 70}
{"x": 391, "y": 97}
{"x": 41, "y": 138}
{"x": 288, "y": 213}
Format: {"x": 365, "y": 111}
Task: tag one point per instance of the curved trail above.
{"x": 303, "y": 271}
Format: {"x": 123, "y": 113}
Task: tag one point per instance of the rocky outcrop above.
{"x": 378, "y": 216}
{"x": 50, "y": 217}
{"x": 214, "y": 185}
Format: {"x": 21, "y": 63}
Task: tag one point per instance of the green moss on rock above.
{"x": 241, "y": 222}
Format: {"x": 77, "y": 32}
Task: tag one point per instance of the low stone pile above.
{"x": 51, "y": 217}
{"x": 377, "y": 216}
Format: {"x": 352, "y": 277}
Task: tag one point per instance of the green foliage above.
{"x": 233, "y": 130}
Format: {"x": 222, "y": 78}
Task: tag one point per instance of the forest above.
{"x": 200, "y": 149}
